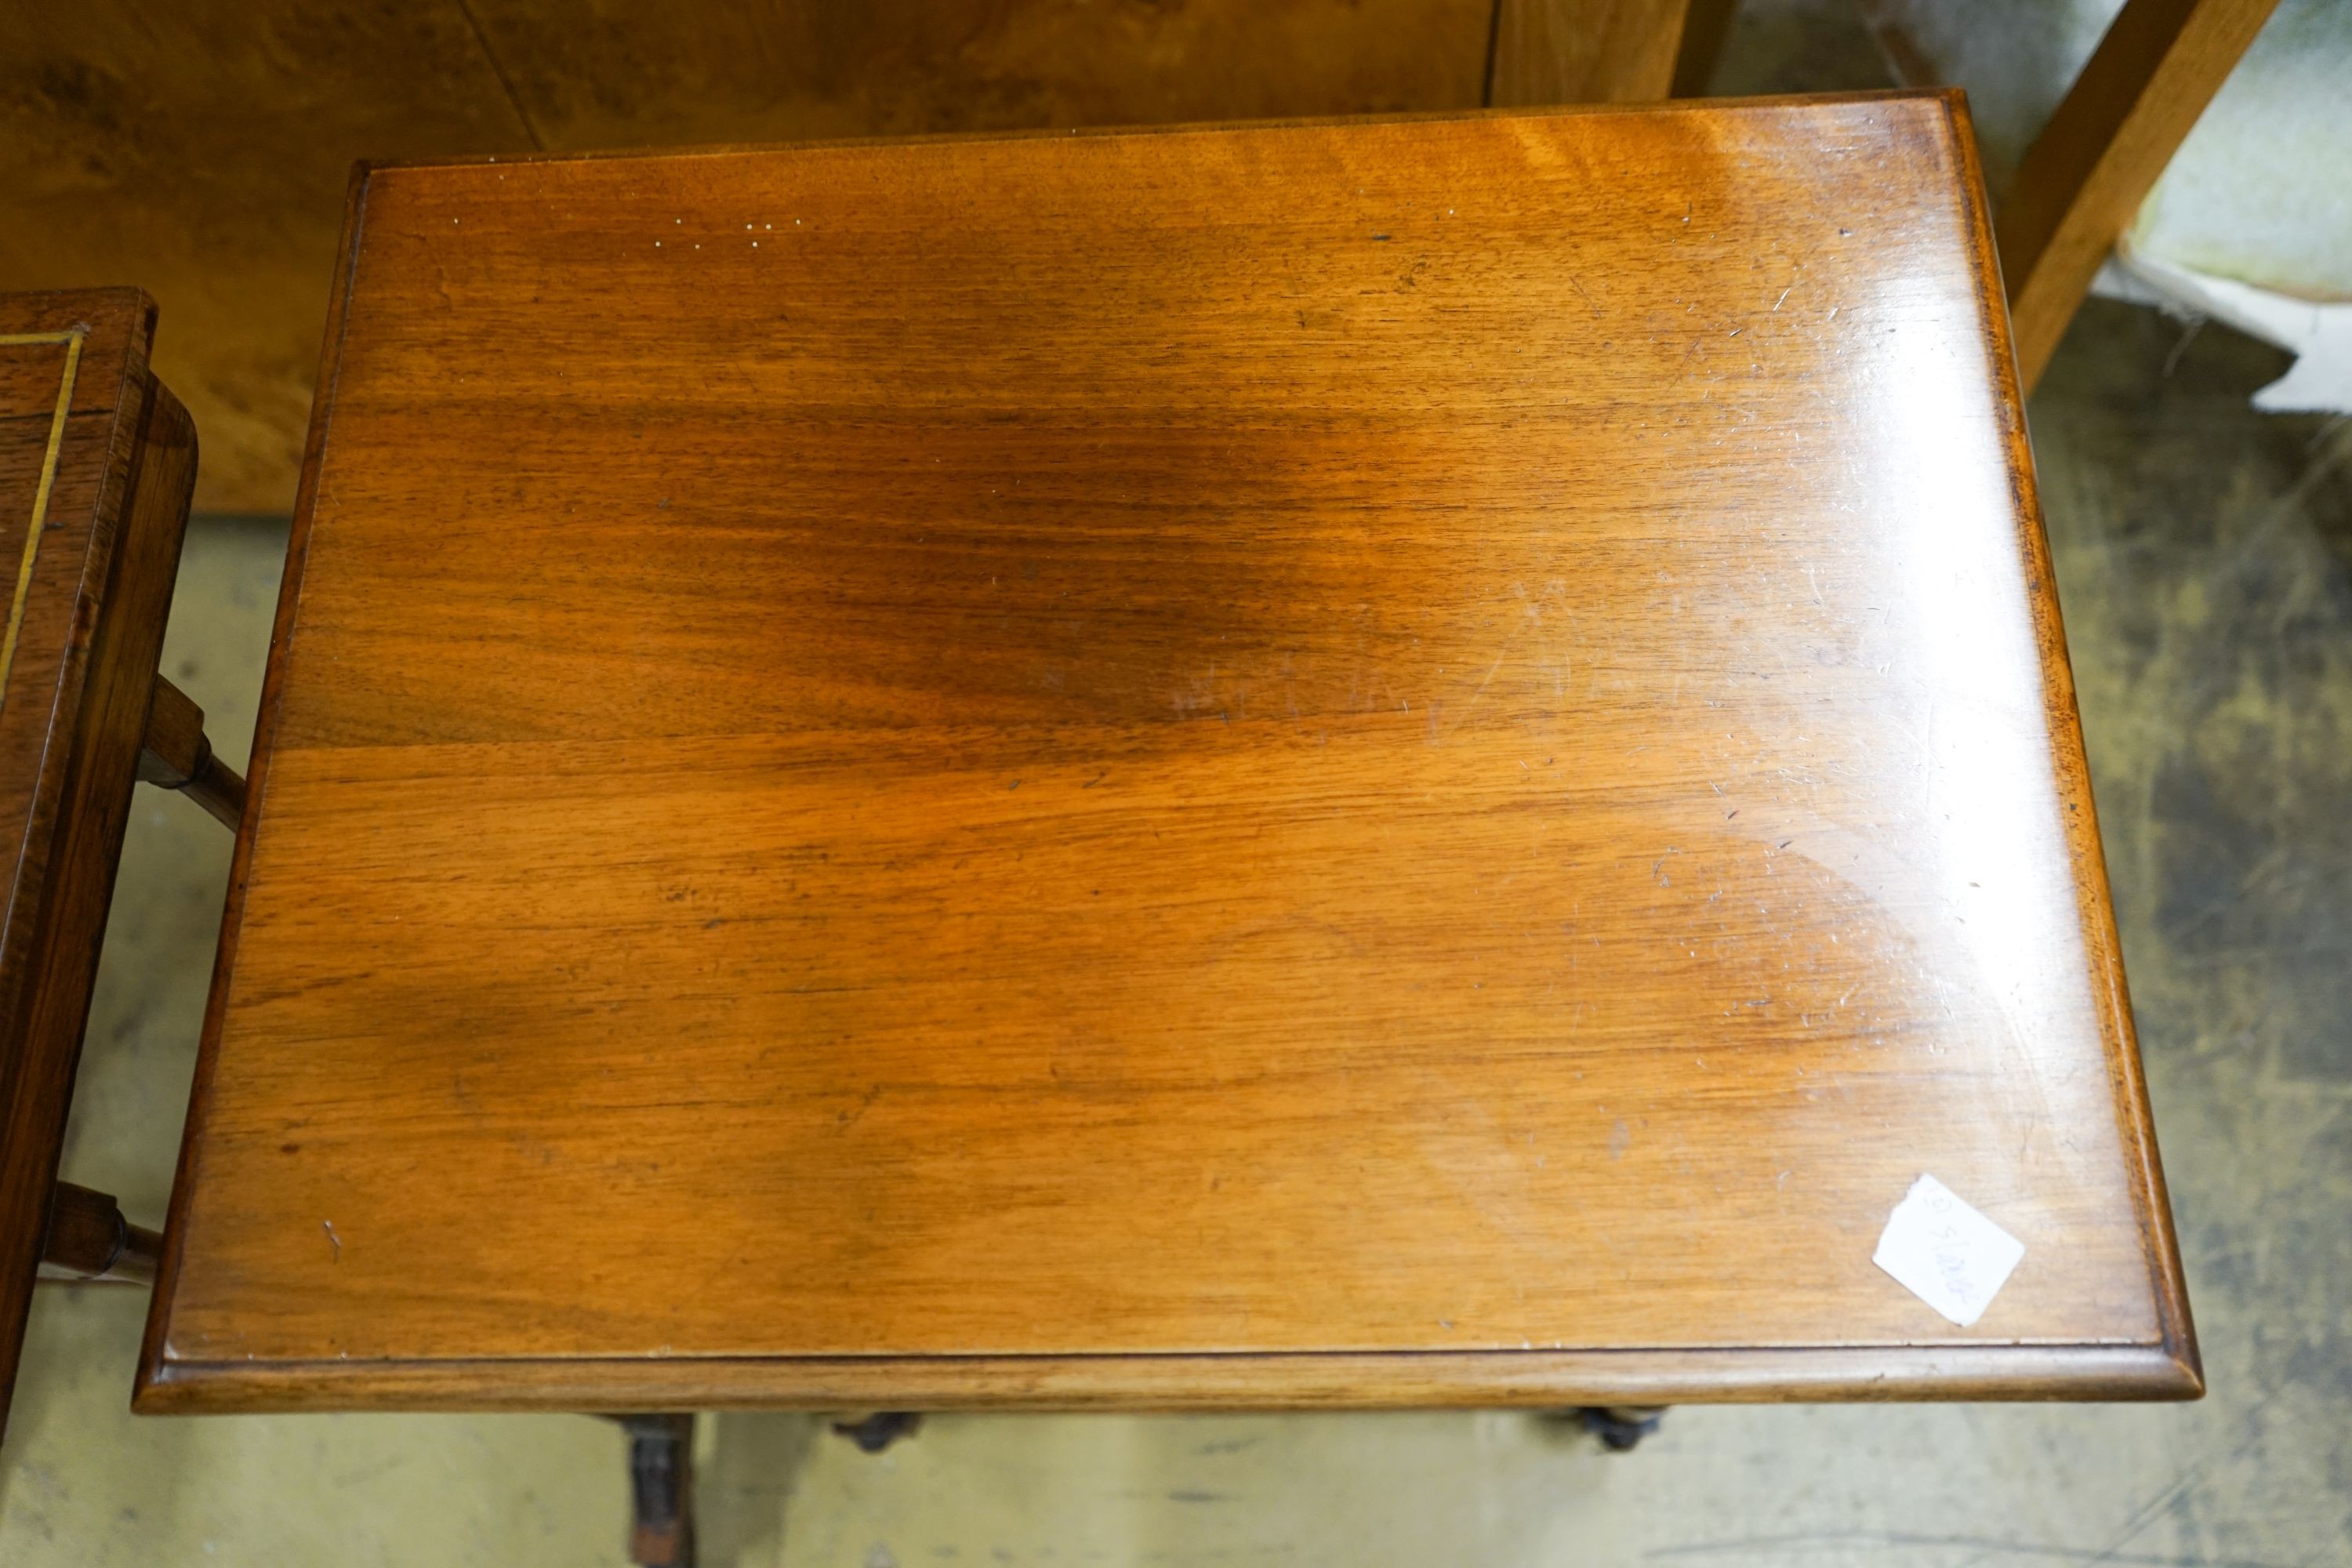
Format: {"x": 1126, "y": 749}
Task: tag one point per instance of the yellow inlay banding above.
{"x": 72, "y": 342}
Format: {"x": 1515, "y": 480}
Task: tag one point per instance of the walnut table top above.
{"x": 1373, "y": 763}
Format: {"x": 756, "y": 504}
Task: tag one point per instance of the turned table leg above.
{"x": 175, "y": 754}
{"x": 661, "y": 1490}
{"x": 88, "y": 1240}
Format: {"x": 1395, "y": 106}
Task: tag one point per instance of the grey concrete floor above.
{"x": 2204, "y": 556}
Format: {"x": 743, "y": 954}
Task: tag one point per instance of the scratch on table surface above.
{"x": 844, "y": 1121}
{"x": 1488, "y": 680}
{"x": 332, "y": 1239}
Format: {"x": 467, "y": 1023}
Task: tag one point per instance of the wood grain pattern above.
{"x": 2082, "y": 182}
{"x": 202, "y": 148}
{"x": 96, "y": 464}
{"x": 699, "y": 71}
{"x": 1537, "y": 1379}
{"x": 1383, "y": 762}
{"x": 1584, "y": 51}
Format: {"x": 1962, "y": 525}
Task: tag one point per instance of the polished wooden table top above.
{"x": 1371, "y": 764}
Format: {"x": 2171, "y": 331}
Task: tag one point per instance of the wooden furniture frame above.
{"x": 970, "y": 919}
{"x": 96, "y": 461}
{"x": 1603, "y": 51}
{"x": 128, "y": 469}
{"x": 2084, "y": 179}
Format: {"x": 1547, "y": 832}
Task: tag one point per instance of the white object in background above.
{"x": 2319, "y": 334}
{"x": 1946, "y": 1253}
{"x": 2252, "y": 222}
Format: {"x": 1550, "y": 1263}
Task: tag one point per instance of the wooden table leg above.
{"x": 89, "y": 1241}
{"x": 661, "y": 1490}
{"x": 175, "y": 754}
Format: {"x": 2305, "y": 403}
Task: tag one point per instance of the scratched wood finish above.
{"x": 96, "y": 461}
{"x": 1377, "y": 763}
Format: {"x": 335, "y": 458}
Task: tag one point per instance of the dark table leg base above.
{"x": 89, "y": 1241}
{"x": 872, "y": 1434}
{"x": 661, "y": 1490}
{"x": 174, "y": 753}
{"x": 1620, "y": 1428}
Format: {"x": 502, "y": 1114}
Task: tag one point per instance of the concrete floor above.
{"x": 2204, "y": 555}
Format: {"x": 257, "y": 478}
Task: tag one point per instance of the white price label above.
{"x": 1946, "y": 1253}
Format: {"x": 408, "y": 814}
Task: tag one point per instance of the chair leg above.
{"x": 175, "y": 754}
{"x": 661, "y": 1490}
